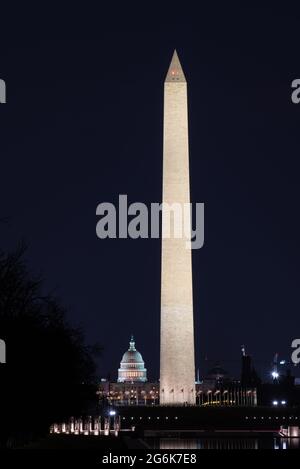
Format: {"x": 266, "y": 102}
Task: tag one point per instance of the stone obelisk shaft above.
{"x": 177, "y": 362}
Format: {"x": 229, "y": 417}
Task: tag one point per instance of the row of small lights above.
{"x": 132, "y": 390}
{"x": 254, "y": 418}
{"x": 262, "y": 418}
{"x": 149, "y": 418}
{"x": 247, "y": 418}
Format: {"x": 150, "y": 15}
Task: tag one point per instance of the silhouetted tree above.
{"x": 49, "y": 374}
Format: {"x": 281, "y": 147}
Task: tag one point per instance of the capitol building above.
{"x": 132, "y": 367}
{"x": 133, "y": 388}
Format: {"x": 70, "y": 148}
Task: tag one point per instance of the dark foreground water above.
{"x": 224, "y": 443}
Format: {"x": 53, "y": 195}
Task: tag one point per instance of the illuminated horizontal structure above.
{"x": 91, "y": 425}
{"x": 127, "y": 394}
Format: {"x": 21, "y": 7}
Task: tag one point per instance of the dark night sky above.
{"x": 83, "y": 123}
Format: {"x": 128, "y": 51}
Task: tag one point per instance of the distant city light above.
{"x": 275, "y": 402}
{"x": 275, "y": 374}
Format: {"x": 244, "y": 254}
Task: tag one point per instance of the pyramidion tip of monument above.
{"x": 175, "y": 73}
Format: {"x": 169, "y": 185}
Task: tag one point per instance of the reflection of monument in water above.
{"x": 210, "y": 443}
{"x": 228, "y": 443}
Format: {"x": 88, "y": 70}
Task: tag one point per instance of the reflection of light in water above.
{"x": 176, "y": 443}
{"x": 293, "y": 443}
{"x": 264, "y": 442}
{"x": 208, "y": 443}
{"x": 287, "y": 443}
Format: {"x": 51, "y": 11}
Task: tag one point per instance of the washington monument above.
{"x": 177, "y": 361}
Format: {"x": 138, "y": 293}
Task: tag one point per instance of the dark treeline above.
{"x": 49, "y": 372}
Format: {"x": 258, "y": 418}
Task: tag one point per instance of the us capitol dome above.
{"x": 132, "y": 367}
